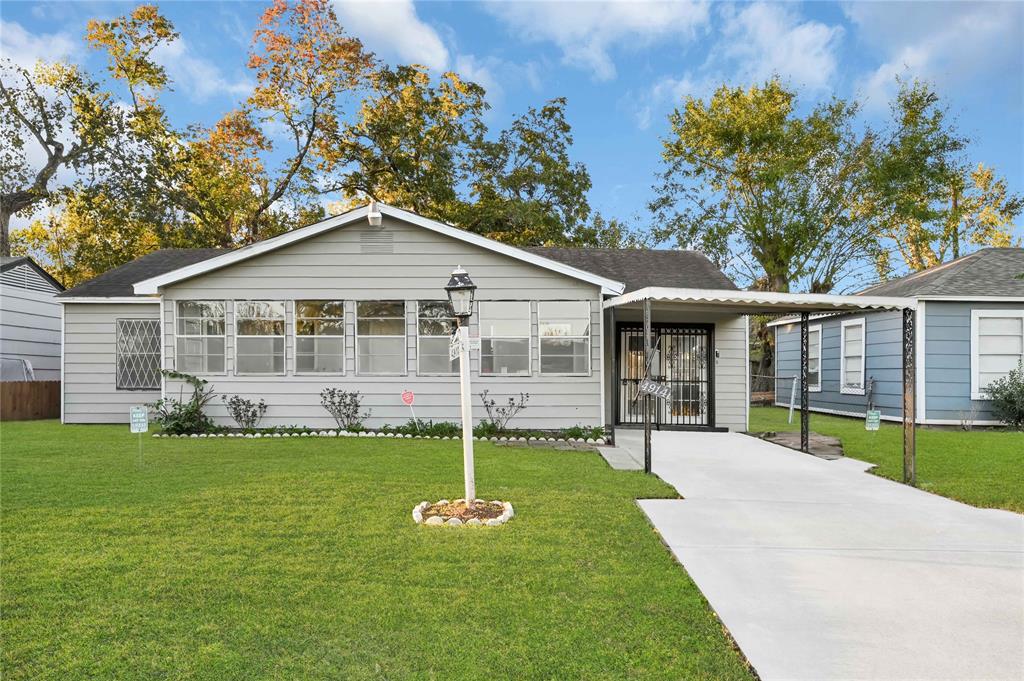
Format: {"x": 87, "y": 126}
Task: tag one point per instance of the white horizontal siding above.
{"x": 90, "y": 334}
{"x": 30, "y": 325}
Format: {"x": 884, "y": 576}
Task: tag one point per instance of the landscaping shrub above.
{"x": 498, "y": 415}
{"x": 345, "y": 407}
{"x": 1007, "y": 395}
{"x": 582, "y": 432}
{"x": 246, "y": 413}
{"x": 185, "y": 417}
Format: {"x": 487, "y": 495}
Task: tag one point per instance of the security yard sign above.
{"x": 873, "y": 419}
{"x": 139, "y": 419}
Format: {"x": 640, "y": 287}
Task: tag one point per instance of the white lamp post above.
{"x": 461, "y": 290}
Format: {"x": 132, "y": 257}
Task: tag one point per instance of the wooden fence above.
{"x": 29, "y": 400}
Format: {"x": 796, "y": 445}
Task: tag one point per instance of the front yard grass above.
{"x": 298, "y": 559}
{"x": 981, "y": 467}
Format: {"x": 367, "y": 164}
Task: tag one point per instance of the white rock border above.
{"x": 435, "y": 521}
{"x": 374, "y": 433}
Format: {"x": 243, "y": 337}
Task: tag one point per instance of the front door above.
{"x": 683, "y": 361}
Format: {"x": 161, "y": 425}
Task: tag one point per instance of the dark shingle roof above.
{"x": 118, "y": 281}
{"x": 638, "y": 268}
{"x": 988, "y": 272}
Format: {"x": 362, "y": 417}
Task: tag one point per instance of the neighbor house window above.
{"x": 259, "y": 337}
{"x": 319, "y": 337}
{"x": 435, "y": 324}
{"x": 505, "y": 338}
{"x": 138, "y": 354}
{"x": 997, "y": 347}
{"x": 564, "y": 330}
{"x": 200, "y": 336}
{"x": 814, "y": 358}
{"x": 380, "y": 337}
{"x": 851, "y": 362}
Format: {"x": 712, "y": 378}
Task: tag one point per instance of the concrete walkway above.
{"x": 822, "y": 571}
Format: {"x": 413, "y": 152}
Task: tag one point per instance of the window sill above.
{"x": 319, "y": 373}
{"x": 549, "y": 375}
{"x": 483, "y": 375}
{"x": 851, "y": 391}
{"x": 981, "y": 397}
{"x": 814, "y": 388}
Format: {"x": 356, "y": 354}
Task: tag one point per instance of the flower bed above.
{"x": 533, "y": 439}
{"x": 458, "y": 513}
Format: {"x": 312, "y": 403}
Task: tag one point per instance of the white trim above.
{"x": 152, "y": 285}
{"x": 295, "y": 337}
{"x": 163, "y": 349}
{"x": 974, "y": 299}
{"x": 976, "y": 315}
{"x": 404, "y": 336}
{"x": 121, "y": 300}
{"x": 761, "y": 301}
{"x": 224, "y": 336}
{"x": 843, "y": 388}
{"x": 589, "y": 338}
{"x": 528, "y": 337}
{"x": 958, "y": 422}
{"x": 746, "y": 361}
{"x": 63, "y": 380}
{"x": 600, "y": 371}
{"x": 811, "y": 387}
{"x": 920, "y": 353}
{"x": 419, "y": 345}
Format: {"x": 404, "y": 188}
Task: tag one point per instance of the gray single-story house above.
{"x": 343, "y": 303}
{"x": 29, "y": 321}
{"x": 970, "y": 331}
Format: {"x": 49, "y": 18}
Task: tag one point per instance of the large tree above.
{"x": 766, "y": 192}
{"x": 925, "y": 202}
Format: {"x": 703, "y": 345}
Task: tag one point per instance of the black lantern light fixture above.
{"x": 461, "y": 290}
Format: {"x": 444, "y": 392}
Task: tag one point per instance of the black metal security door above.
{"x": 684, "y": 362}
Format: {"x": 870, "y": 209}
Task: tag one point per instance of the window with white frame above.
{"x": 259, "y": 337}
{"x": 434, "y": 326}
{"x": 814, "y": 358}
{"x": 564, "y": 330}
{"x": 319, "y": 337}
{"x": 997, "y": 347}
{"x": 200, "y": 336}
{"x": 138, "y": 354}
{"x": 380, "y": 337}
{"x": 851, "y": 361}
{"x": 505, "y": 338}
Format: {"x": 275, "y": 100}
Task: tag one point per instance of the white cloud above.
{"x": 196, "y": 77}
{"x": 25, "y": 48}
{"x": 951, "y": 43}
{"x": 392, "y": 26}
{"x": 587, "y": 32}
{"x": 764, "y": 40}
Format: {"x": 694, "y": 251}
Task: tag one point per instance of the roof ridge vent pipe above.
{"x": 373, "y": 216}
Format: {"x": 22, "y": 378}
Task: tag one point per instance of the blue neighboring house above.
{"x": 970, "y": 331}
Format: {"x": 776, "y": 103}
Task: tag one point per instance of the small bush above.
{"x": 582, "y": 433}
{"x": 345, "y": 407}
{"x": 246, "y": 413}
{"x": 498, "y": 415}
{"x": 1007, "y": 395}
{"x": 185, "y": 417}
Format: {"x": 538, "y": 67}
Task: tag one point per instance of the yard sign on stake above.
{"x": 408, "y": 397}
{"x": 138, "y": 418}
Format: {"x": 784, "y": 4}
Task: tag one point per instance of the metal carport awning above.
{"x": 768, "y": 302}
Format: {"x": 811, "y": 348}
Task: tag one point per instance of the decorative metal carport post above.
{"x": 805, "y": 407}
{"x": 909, "y": 404}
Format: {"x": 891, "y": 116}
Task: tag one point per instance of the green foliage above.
{"x": 582, "y": 433}
{"x": 1007, "y": 395}
{"x": 181, "y": 416}
{"x": 499, "y": 414}
{"x": 345, "y": 407}
{"x": 246, "y": 413}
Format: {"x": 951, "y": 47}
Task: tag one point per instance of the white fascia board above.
{"x": 120, "y": 300}
{"x": 973, "y": 299}
{"x": 796, "y": 320}
{"x": 152, "y": 286}
{"x": 761, "y": 301}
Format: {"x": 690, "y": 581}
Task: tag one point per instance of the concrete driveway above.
{"x": 822, "y": 571}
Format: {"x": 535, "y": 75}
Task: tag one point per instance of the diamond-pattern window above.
{"x": 138, "y": 354}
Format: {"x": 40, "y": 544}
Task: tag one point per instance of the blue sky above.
{"x": 622, "y": 66}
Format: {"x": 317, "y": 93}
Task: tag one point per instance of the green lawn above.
{"x": 298, "y": 558}
{"x": 981, "y": 467}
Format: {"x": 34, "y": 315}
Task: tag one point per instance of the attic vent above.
{"x": 376, "y": 241}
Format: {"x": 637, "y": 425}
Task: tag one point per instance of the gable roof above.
{"x": 989, "y": 272}
{"x": 119, "y": 281}
{"x": 152, "y": 285}
{"x": 8, "y": 262}
{"x": 638, "y": 268}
